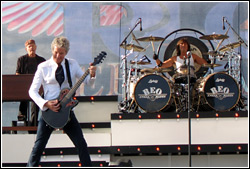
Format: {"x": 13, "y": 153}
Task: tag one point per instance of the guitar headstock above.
{"x": 98, "y": 59}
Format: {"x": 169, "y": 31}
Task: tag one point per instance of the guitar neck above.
{"x": 97, "y": 60}
{"x": 77, "y": 85}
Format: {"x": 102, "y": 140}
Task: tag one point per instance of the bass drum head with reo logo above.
{"x": 221, "y": 91}
{"x": 197, "y": 47}
{"x": 152, "y": 93}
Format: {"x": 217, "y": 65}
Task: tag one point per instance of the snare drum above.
{"x": 153, "y": 93}
{"x": 219, "y": 91}
{"x": 181, "y": 75}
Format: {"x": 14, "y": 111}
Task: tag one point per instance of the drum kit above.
{"x": 154, "y": 90}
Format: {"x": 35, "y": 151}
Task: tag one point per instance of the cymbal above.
{"x": 150, "y": 38}
{"x": 214, "y": 36}
{"x": 211, "y": 65}
{"x": 140, "y": 63}
{"x": 211, "y": 53}
{"x": 160, "y": 70}
{"x": 133, "y": 47}
{"x": 230, "y": 46}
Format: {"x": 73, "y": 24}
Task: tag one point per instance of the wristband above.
{"x": 155, "y": 56}
{"x": 160, "y": 64}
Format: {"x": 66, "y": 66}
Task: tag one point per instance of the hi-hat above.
{"x": 150, "y": 38}
{"x": 140, "y": 63}
{"x": 159, "y": 69}
{"x": 214, "y": 36}
{"x": 230, "y": 46}
{"x": 211, "y": 65}
{"x": 133, "y": 47}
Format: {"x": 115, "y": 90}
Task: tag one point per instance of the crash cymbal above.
{"x": 150, "y": 38}
{"x": 133, "y": 47}
{"x": 230, "y": 46}
{"x": 212, "y": 53}
{"x": 140, "y": 63}
{"x": 214, "y": 36}
{"x": 160, "y": 70}
{"x": 211, "y": 65}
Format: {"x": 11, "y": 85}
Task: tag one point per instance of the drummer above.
{"x": 182, "y": 49}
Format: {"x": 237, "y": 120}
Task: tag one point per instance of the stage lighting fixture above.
{"x": 158, "y": 116}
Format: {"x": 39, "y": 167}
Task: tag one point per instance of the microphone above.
{"x": 140, "y": 24}
{"x": 223, "y": 25}
{"x": 189, "y": 54}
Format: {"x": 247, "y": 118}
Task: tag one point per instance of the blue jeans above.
{"x": 72, "y": 129}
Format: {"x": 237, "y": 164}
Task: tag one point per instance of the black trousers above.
{"x": 72, "y": 129}
{"x": 23, "y": 110}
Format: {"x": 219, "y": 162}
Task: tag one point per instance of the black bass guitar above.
{"x": 59, "y": 119}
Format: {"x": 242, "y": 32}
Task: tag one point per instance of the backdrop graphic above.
{"x": 93, "y": 27}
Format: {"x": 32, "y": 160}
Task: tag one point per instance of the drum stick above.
{"x": 153, "y": 46}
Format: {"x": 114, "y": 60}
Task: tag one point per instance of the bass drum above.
{"x": 218, "y": 91}
{"x": 153, "y": 93}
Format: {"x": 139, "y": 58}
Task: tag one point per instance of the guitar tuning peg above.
{"x": 104, "y": 52}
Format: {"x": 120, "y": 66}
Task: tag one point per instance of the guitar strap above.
{"x": 69, "y": 78}
{"x": 68, "y": 72}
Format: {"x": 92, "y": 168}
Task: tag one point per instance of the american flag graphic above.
{"x": 36, "y": 17}
{"x": 111, "y": 14}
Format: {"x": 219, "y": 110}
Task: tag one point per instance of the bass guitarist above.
{"x": 52, "y": 75}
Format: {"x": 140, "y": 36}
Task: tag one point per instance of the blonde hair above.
{"x": 60, "y": 42}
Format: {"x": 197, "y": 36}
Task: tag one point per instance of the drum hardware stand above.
{"x": 241, "y": 41}
{"x": 123, "y": 105}
{"x": 179, "y": 106}
{"x": 125, "y": 90}
{"x": 181, "y": 97}
{"x": 199, "y": 101}
{"x": 134, "y": 107}
{"x": 241, "y": 104}
{"x": 131, "y": 104}
{"x": 217, "y": 47}
{"x": 176, "y": 105}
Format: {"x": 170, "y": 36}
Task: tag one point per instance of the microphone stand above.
{"x": 240, "y": 39}
{"x": 124, "y": 42}
{"x": 189, "y": 116}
